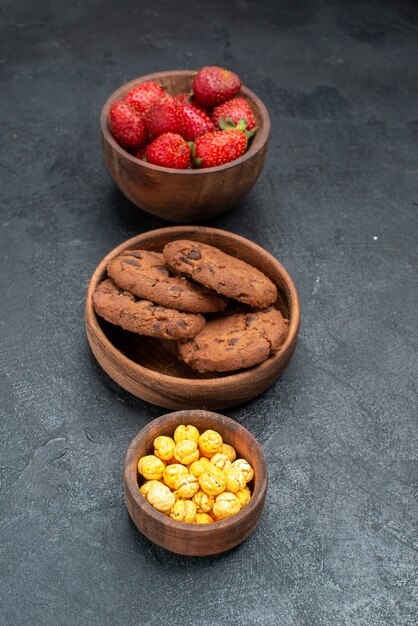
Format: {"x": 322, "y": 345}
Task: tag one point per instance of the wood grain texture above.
{"x": 190, "y": 539}
{"x": 184, "y": 195}
{"x": 150, "y": 369}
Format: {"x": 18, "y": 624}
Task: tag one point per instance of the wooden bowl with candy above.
{"x": 191, "y": 538}
{"x": 186, "y": 195}
{"x": 150, "y": 368}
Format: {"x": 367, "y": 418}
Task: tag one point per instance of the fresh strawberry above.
{"x": 232, "y": 112}
{"x": 127, "y": 125}
{"x": 187, "y": 99}
{"x": 141, "y": 152}
{"x": 213, "y": 85}
{"x": 142, "y": 96}
{"x": 196, "y": 123}
{"x": 165, "y": 116}
{"x": 169, "y": 150}
{"x": 219, "y": 147}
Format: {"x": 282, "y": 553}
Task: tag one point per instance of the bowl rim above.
{"x": 262, "y": 133}
{"x": 181, "y": 382}
{"x": 257, "y": 496}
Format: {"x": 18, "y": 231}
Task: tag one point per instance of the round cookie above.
{"x": 144, "y": 274}
{"x": 221, "y": 272}
{"x": 235, "y": 342}
{"x": 143, "y": 317}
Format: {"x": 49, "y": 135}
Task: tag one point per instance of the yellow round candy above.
{"x": 245, "y": 468}
{"x": 172, "y": 474}
{"x": 144, "y": 489}
{"x": 203, "y": 518}
{"x": 184, "y": 511}
{"x": 213, "y": 481}
{"x": 164, "y": 447}
{"x": 229, "y": 451}
{"x": 186, "y": 486}
{"x": 203, "y": 501}
{"x": 186, "y": 432}
{"x": 220, "y": 460}
{"x": 244, "y": 496}
{"x": 161, "y": 498}
{"x": 198, "y": 467}
{"x": 186, "y": 451}
{"x": 235, "y": 479}
{"x": 226, "y": 505}
{"x": 210, "y": 442}
{"x": 151, "y": 467}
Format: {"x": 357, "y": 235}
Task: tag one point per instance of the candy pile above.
{"x": 195, "y": 477}
{"x": 207, "y": 127}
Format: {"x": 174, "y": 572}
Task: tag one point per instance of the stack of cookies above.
{"x": 189, "y": 293}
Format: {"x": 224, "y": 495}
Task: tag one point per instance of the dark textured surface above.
{"x": 337, "y": 204}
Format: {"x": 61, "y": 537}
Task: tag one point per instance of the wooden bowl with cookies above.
{"x": 184, "y": 195}
{"x": 194, "y": 537}
{"x": 191, "y": 316}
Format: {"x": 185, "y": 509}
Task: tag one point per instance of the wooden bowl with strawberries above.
{"x": 184, "y": 195}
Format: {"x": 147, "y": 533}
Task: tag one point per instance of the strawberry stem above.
{"x": 252, "y": 132}
{"x": 228, "y": 124}
{"x": 242, "y": 124}
{"x": 225, "y": 124}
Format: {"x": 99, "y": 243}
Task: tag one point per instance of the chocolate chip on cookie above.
{"x": 221, "y": 272}
{"x": 235, "y": 342}
{"x": 144, "y": 274}
{"x": 143, "y": 317}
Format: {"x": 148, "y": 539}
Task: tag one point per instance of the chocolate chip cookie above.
{"x": 144, "y": 274}
{"x": 235, "y": 342}
{"x": 221, "y": 272}
{"x": 143, "y": 317}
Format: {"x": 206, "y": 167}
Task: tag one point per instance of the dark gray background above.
{"x": 337, "y": 204}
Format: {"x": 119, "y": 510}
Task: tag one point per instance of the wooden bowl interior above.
{"x": 161, "y": 356}
{"x": 187, "y": 538}
{"x": 176, "y": 82}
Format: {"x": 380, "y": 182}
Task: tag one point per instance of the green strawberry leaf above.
{"x": 242, "y": 124}
{"x": 252, "y": 132}
{"x": 226, "y": 124}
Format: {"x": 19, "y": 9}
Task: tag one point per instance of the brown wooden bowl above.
{"x": 191, "y": 539}
{"x": 149, "y": 368}
{"x": 184, "y": 195}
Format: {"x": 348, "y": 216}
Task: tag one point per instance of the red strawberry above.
{"x": 169, "y": 150}
{"x": 219, "y": 147}
{"x": 127, "y": 125}
{"x": 142, "y": 96}
{"x": 232, "y": 112}
{"x": 188, "y": 100}
{"x": 213, "y": 85}
{"x": 165, "y": 116}
{"x": 141, "y": 152}
{"x": 196, "y": 123}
